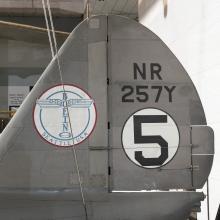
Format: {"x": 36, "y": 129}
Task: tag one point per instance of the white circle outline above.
{"x": 178, "y": 131}
{"x": 95, "y": 111}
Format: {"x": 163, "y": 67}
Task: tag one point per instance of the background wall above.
{"x": 25, "y": 53}
{"x": 191, "y": 29}
{"x": 21, "y": 64}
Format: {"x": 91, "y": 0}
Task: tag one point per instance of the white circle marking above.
{"x": 150, "y": 153}
{"x": 64, "y": 115}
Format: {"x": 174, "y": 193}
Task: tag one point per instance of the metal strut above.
{"x": 55, "y": 54}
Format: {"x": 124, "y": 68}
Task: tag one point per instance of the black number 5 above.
{"x": 139, "y": 139}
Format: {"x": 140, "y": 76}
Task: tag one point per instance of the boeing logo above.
{"x": 65, "y": 115}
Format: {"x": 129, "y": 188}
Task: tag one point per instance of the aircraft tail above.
{"x": 125, "y": 102}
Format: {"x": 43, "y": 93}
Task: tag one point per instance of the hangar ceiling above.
{"x": 70, "y": 7}
{"x": 34, "y": 7}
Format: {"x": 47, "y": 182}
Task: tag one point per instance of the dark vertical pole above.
{"x": 108, "y": 112}
{"x": 208, "y": 199}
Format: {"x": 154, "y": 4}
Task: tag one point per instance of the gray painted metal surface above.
{"x": 67, "y": 205}
{"x": 131, "y": 45}
{"x": 120, "y": 68}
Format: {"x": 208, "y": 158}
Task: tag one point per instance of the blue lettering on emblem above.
{"x": 65, "y": 117}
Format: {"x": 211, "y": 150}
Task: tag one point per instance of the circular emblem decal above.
{"x": 150, "y": 138}
{"x": 65, "y": 115}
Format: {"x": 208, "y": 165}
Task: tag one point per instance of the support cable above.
{"x": 48, "y": 29}
{"x": 61, "y": 79}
